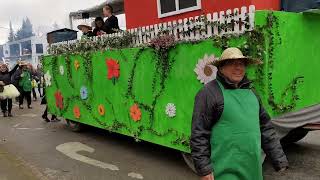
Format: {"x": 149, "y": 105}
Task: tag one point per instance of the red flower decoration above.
{"x": 113, "y": 69}
{"x": 76, "y": 112}
{"x": 135, "y": 113}
{"x": 59, "y": 99}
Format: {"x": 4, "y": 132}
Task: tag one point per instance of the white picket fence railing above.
{"x": 234, "y": 21}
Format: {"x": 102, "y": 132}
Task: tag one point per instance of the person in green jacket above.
{"x": 25, "y": 85}
{"x": 230, "y": 125}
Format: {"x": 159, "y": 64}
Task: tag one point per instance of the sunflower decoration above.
{"x": 76, "y": 64}
{"x": 101, "y": 110}
{"x": 205, "y": 69}
{"x": 76, "y": 112}
{"x": 135, "y": 113}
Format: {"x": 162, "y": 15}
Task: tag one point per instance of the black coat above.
{"x": 111, "y": 25}
{"x": 208, "y": 108}
{"x": 6, "y": 77}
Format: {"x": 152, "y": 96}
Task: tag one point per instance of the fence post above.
{"x": 243, "y": 17}
{"x": 209, "y": 26}
{"x": 251, "y": 14}
{"x": 222, "y": 22}
{"x": 236, "y": 20}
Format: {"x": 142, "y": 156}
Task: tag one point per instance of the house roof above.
{"x": 62, "y": 30}
{"x": 96, "y": 11}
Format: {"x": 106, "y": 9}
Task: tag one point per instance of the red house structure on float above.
{"x": 148, "y": 12}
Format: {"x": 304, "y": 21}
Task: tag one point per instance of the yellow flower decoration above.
{"x": 76, "y": 64}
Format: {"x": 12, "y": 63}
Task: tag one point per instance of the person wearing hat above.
{"x": 7, "y": 90}
{"x": 230, "y": 125}
{"x": 86, "y": 29}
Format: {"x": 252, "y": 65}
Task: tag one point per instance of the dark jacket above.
{"x": 96, "y": 31}
{"x": 208, "y": 108}
{"x": 6, "y": 76}
{"x": 16, "y": 77}
{"x": 111, "y": 25}
{"x": 89, "y": 34}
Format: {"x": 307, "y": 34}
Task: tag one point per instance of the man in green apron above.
{"x": 230, "y": 125}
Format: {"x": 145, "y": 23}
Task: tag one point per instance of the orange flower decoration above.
{"x": 76, "y": 112}
{"x": 101, "y": 110}
{"x": 135, "y": 113}
{"x": 76, "y": 64}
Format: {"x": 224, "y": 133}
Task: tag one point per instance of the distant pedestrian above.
{"x": 24, "y": 76}
{"x": 7, "y": 90}
{"x": 45, "y": 113}
{"x": 39, "y": 75}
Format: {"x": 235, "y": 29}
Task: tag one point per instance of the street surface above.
{"x": 33, "y": 149}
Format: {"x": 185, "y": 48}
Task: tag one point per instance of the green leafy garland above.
{"x": 264, "y": 39}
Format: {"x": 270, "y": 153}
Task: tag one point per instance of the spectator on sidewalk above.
{"x": 7, "y": 90}
{"x": 24, "y": 78}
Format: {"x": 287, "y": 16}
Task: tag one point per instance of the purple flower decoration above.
{"x": 84, "y": 93}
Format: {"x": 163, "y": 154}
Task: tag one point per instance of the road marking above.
{"x": 71, "y": 150}
{"x": 135, "y": 175}
{"x": 16, "y": 125}
{"x": 28, "y": 115}
{"x": 29, "y": 128}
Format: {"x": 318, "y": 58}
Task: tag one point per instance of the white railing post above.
{"x": 216, "y": 21}
{"x": 251, "y": 14}
{"x": 243, "y": 17}
{"x": 180, "y": 33}
{"x": 236, "y": 17}
{"x": 209, "y": 26}
{"x": 222, "y": 22}
{"x": 196, "y": 26}
{"x": 186, "y": 29}
{"x": 228, "y": 22}
{"x": 175, "y": 30}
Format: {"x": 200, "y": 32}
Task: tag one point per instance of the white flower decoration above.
{"x": 171, "y": 110}
{"x": 47, "y": 79}
{"x": 61, "y": 70}
{"x": 205, "y": 70}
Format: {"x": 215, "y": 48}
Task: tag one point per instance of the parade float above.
{"x": 142, "y": 82}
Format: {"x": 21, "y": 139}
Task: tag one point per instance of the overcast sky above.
{"x": 42, "y": 13}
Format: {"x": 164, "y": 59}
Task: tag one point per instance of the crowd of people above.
{"x": 101, "y": 27}
{"x": 21, "y": 83}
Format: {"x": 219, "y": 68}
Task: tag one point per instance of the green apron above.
{"x": 236, "y": 138}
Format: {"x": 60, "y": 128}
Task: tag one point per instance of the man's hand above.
{"x": 208, "y": 177}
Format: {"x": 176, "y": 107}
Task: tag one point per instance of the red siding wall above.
{"x": 145, "y": 12}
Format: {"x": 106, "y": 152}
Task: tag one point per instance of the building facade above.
{"x": 28, "y": 49}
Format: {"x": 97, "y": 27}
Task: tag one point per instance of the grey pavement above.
{"x": 28, "y": 150}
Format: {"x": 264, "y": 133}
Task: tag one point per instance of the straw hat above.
{"x": 84, "y": 25}
{"x": 23, "y": 63}
{"x": 236, "y": 54}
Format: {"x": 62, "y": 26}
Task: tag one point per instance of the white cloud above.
{"x": 42, "y": 13}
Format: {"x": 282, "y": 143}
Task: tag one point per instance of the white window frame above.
{"x": 177, "y": 11}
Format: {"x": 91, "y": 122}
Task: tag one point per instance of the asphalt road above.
{"x": 28, "y": 149}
